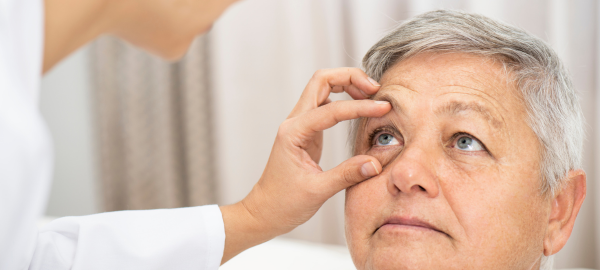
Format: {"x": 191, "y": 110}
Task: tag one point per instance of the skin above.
{"x": 437, "y": 206}
{"x": 293, "y": 186}
{"x": 163, "y": 27}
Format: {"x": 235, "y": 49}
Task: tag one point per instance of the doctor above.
{"x": 37, "y": 34}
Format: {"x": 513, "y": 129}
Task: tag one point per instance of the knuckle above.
{"x": 336, "y": 107}
{"x": 353, "y": 70}
{"x": 332, "y": 110}
{"x": 319, "y": 73}
{"x": 284, "y": 128}
{"x": 332, "y": 106}
{"x": 349, "y": 176}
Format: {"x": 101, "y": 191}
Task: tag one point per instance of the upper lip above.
{"x": 411, "y": 221}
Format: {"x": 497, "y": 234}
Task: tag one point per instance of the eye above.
{"x": 467, "y": 143}
{"x": 385, "y": 139}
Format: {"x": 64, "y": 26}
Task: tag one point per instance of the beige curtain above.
{"x": 154, "y": 125}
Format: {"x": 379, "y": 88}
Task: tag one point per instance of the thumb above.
{"x": 350, "y": 172}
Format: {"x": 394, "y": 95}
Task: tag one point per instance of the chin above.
{"x": 398, "y": 262}
{"x": 175, "y": 52}
{"x": 168, "y": 48}
{"x": 405, "y": 250}
{"x": 409, "y": 257}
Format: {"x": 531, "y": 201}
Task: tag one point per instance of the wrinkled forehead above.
{"x": 429, "y": 72}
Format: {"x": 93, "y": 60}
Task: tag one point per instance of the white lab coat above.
{"x": 185, "y": 238}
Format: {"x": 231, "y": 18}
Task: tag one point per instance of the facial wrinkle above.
{"x": 498, "y": 123}
{"x": 481, "y": 94}
{"x": 452, "y": 168}
{"x": 508, "y": 135}
{"x": 386, "y": 95}
{"x": 395, "y": 86}
{"x": 461, "y": 223}
{"x": 399, "y": 81}
{"x": 478, "y": 93}
{"x": 364, "y": 130}
{"x": 435, "y": 172}
{"x": 397, "y": 108}
{"x": 385, "y": 121}
{"x": 456, "y": 107}
{"x": 453, "y": 210}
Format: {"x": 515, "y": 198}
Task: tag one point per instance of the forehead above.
{"x": 444, "y": 78}
{"x": 429, "y": 71}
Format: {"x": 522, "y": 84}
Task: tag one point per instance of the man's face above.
{"x": 460, "y": 187}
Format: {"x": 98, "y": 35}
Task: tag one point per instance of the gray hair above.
{"x": 554, "y": 113}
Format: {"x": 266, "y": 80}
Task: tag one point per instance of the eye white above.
{"x": 386, "y": 139}
{"x": 467, "y": 143}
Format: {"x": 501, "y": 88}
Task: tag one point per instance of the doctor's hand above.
{"x": 293, "y": 186}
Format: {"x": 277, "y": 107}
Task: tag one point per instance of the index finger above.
{"x": 354, "y": 81}
{"x": 329, "y": 115}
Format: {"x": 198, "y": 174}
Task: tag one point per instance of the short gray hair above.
{"x": 554, "y": 113}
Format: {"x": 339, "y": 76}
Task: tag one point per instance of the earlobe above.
{"x": 565, "y": 206}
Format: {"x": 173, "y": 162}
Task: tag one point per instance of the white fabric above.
{"x": 289, "y": 254}
{"x": 25, "y": 151}
{"x": 185, "y": 238}
{"x": 182, "y": 238}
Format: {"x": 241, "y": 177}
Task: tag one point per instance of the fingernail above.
{"x": 381, "y": 102}
{"x": 373, "y": 82}
{"x": 369, "y": 169}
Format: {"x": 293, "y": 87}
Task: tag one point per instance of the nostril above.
{"x": 422, "y": 189}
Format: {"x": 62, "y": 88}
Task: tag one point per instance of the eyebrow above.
{"x": 456, "y": 107}
{"x": 450, "y": 108}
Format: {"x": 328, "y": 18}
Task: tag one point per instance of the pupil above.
{"x": 385, "y": 138}
{"x": 464, "y": 142}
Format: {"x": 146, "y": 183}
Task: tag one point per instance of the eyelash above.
{"x": 458, "y": 134}
{"x": 379, "y": 130}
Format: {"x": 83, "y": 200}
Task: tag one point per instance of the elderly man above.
{"x": 480, "y": 155}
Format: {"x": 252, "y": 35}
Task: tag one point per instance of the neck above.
{"x": 70, "y": 24}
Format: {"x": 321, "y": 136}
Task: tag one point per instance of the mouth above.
{"x": 409, "y": 223}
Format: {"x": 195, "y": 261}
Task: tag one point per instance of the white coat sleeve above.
{"x": 182, "y": 238}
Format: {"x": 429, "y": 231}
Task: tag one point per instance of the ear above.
{"x": 565, "y": 206}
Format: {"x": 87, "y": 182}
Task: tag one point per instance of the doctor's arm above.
{"x": 163, "y": 28}
{"x": 290, "y": 191}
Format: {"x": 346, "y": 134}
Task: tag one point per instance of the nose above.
{"x": 412, "y": 173}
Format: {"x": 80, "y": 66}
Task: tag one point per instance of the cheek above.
{"x": 364, "y": 203}
{"x": 500, "y": 209}
{"x": 361, "y": 201}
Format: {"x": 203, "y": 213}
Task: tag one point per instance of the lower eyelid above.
{"x": 387, "y": 147}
